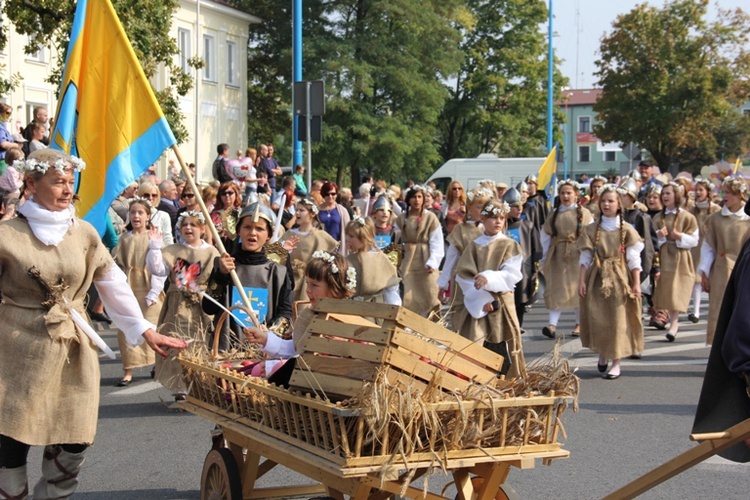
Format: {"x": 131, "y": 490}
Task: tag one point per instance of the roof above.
{"x": 582, "y": 97}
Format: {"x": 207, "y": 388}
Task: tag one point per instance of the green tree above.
{"x": 146, "y": 23}
{"x": 672, "y": 82}
{"x": 498, "y": 98}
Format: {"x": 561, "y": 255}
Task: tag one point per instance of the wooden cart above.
{"x": 336, "y": 444}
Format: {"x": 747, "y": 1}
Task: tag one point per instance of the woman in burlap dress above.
{"x": 487, "y": 273}
{"x": 377, "y": 277}
{"x": 422, "y": 238}
{"x": 701, "y": 209}
{"x": 187, "y": 265}
{"x": 560, "y": 262}
{"x": 49, "y": 369}
{"x": 677, "y": 231}
{"x": 310, "y": 238}
{"x": 130, "y": 256}
{"x": 609, "y": 285}
{"x": 462, "y": 234}
{"x": 725, "y": 233}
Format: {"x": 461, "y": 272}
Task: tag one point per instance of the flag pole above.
{"x": 215, "y": 234}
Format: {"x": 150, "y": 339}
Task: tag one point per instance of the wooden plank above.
{"x": 351, "y": 318}
{"x": 449, "y": 358}
{"x": 345, "y": 367}
{"x": 342, "y": 348}
{"x": 356, "y": 308}
{"x": 413, "y": 365}
{"x": 331, "y": 384}
{"x": 286, "y": 491}
{"x": 405, "y": 381}
{"x": 389, "y": 488}
{"x": 355, "y": 332}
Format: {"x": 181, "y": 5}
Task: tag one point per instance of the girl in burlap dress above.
{"x": 310, "y": 239}
{"x": 725, "y": 234}
{"x": 487, "y": 273}
{"x": 596, "y": 184}
{"x": 422, "y": 238}
{"x": 561, "y": 255}
{"x": 184, "y": 264}
{"x": 677, "y": 231}
{"x": 609, "y": 284}
{"x": 462, "y": 234}
{"x": 130, "y": 256}
{"x": 377, "y": 277}
{"x": 701, "y": 209}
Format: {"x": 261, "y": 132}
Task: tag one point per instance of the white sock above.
{"x": 615, "y": 370}
{"x": 697, "y": 300}
{"x": 554, "y": 316}
{"x": 674, "y": 318}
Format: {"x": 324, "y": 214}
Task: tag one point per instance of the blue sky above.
{"x": 595, "y": 18}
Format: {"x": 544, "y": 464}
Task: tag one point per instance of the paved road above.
{"x": 625, "y": 427}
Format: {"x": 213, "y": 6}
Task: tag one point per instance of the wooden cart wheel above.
{"x": 220, "y": 479}
{"x": 505, "y": 492}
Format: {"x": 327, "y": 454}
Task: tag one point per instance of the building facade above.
{"x": 215, "y": 109}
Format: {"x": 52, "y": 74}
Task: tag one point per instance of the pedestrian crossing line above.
{"x": 593, "y": 360}
{"x": 137, "y": 389}
{"x": 681, "y": 334}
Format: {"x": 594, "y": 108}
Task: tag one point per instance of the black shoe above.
{"x": 102, "y": 318}
{"x": 153, "y": 372}
{"x": 671, "y": 337}
{"x": 610, "y": 376}
{"x": 124, "y": 382}
{"x": 693, "y": 318}
{"x": 602, "y": 368}
{"x": 549, "y": 332}
{"x": 635, "y": 355}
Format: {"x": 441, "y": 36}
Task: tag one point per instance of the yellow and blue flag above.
{"x": 548, "y": 170}
{"x": 107, "y": 114}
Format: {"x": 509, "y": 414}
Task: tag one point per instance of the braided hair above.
{"x": 610, "y": 188}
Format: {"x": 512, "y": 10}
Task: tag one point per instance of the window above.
{"x": 183, "y": 45}
{"x": 610, "y": 156}
{"x": 233, "y": 73}
{"x": 584, "y": 154}
{"x": 38, "y": 56}
{"x": 209, "y": 58}
{"x": 584, "y": 124}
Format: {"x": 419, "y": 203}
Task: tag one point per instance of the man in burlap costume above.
{"x": 49, "y": 369}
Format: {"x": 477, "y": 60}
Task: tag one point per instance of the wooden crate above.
{"x": 343, "y": 351}
{"x": 342, "y": 435}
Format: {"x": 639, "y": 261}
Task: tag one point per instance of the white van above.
{"x": 469, "y": 171}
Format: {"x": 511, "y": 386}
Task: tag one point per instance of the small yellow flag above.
{"x": 547, "y": 170}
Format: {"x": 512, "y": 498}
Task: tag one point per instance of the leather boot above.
{"x": 59, "y": 473}
{"x": 13, "y": 484}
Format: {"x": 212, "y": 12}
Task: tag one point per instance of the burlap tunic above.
{"x": 561, "y": 264}
{"x": 375, "y": 273}
{"x": 593, "y": 207}
{"x": 302, "y": 254}
{"x": 49, "y": 369}
{"x": 498, "y": 325}
{"x": 610, "y": 314}
{"x": 701, "y": 215}
{"x": 420, "y": 287}
{"x": 130, "y": 256}
{"x": 182, "y": 315}
{"x": 461, "y": 237}
{"x": 674, "y": 288}
{"x": 726, "y": 236}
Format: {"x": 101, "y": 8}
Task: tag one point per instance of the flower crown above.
{"x": 61, "y": 164}
{"x": 568, "y": 182}
{"x": 599, "y": 178}
{"x": 191, "y": 213}
{"x": 485, "y": 183}
{"x": 705, "y": 183}
{"x": 351, "y": 274}
{"x": 735, "y": 183}
{"x": 310, "y": 205}
{"x": 142, "y": 201}
{"x": 359, "y": 220}
{"x": 611, "y": 188}
{"x": 479, "y": 192}
{"x": 495, "y": 209}
{"x": 679, "y": 188}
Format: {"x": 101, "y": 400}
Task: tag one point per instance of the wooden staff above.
{"x": 215, "y": 234}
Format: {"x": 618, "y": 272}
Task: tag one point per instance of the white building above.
{"x": 210, "y": 30}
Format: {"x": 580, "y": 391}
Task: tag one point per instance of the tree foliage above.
{"x": 672, "y": 82}
{"x": 146, "y": 22}
{"x": 498, "y": 98}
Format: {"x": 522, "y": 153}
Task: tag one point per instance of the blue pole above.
{"x": 297, "y": 77}
{"x": 550, "y": 68}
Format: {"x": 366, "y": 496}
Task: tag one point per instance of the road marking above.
{"x": 137, "y": 389}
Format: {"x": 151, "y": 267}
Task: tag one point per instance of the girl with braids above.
{"x": 701, "y": 209}
{"x": 609, "y": 284}
{"x": 459, "y": 238}
{"x": 311, "y": 239}
{"x": 560, "y": 255}
{"x": 725, "y": 234}
{"x": 595, "y": 185}
{"x": 130, "y": 256}
{"x": 677, "y": 231}
{"x": 487, "y": 273}
{"x": 377, "y": 277}
{"x": 422, "y": 237}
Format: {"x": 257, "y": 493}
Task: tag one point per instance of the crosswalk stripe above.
{"x": 137, "y": 389}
